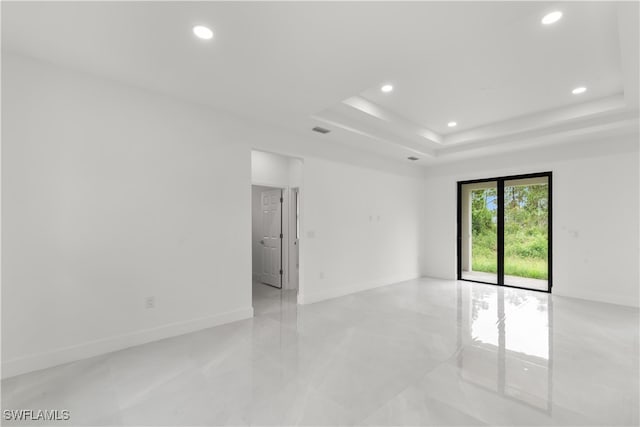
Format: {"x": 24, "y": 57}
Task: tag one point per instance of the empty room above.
{"x": 320, "y": 213}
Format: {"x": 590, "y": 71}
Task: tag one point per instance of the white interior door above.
{"x": 271, "y": 242}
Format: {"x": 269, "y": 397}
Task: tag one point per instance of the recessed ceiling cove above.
{"x": 514, "y": 81}
{"x": 387, "y": 77}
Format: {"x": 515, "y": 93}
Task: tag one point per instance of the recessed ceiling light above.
{"x": 202, "y": 32}
{"x": 386, "y": 88}
{"x": 452, "y": 124}
{"x": 552, "y": 17}
{"x": 579, "y": 90}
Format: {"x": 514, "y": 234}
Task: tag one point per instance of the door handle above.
{"x": 262, "y": 242}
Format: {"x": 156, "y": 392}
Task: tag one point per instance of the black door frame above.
{"x": 500, "y": 227}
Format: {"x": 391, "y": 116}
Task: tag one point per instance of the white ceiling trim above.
{"x": 405, "y": 125}
{"x": 365, "y": 118}
{"x": 618, "y": 122}
{"x": 378, "y": 134}
{"x": 544, "y": 119}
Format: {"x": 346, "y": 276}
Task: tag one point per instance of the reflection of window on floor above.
{"x": 503, "y": 350}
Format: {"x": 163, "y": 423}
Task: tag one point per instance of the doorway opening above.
{"x": 275, "y": 236}
{"x": 504, "y": 231}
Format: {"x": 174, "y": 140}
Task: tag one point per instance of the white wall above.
{"x": 361, "y": 229}
{"x": 270, "y": 169}
{"x": 295, "y": 174}
{"x": 595, "y": 215}
{"x": 111, "y": 194}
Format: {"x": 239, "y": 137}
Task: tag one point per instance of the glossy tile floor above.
{"x": 269, "y": 300}
{"x": 423, "y": 352}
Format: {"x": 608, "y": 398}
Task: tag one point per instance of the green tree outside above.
{"x": 525, "y": 229}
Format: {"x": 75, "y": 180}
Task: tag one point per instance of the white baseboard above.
{"x": 335, "y": 292}
{"x": 447, "y": 277}
{"x": 85, "y": 350}
{"x": 599, "y": 297}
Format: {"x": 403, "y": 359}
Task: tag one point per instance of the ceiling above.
{"x": 492, "y": 67}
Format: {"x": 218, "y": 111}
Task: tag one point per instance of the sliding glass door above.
{"x": 479, "y": 232}
{"x": 504, "y": 231}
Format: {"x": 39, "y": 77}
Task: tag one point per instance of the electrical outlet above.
{"x": 150, "y": 302}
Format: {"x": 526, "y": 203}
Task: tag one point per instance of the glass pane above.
{"x": 479, "y": 232}
{"x": 526, "y": 225}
